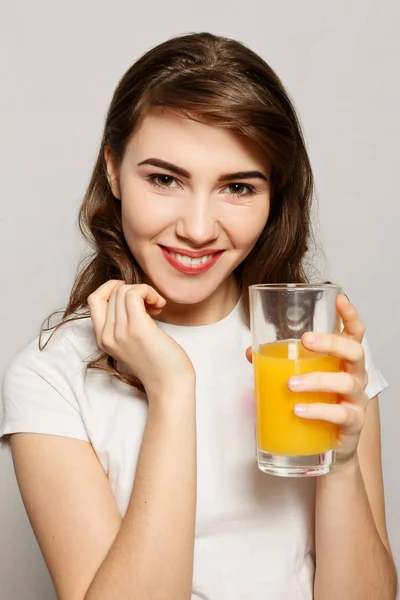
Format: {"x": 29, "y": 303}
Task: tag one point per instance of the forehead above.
{"x": 191, "y": 144}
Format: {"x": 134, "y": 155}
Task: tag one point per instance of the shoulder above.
{"x": 55, "y": 353}
{"x": 42, "y": 385}
{"x": 75, "y": 333}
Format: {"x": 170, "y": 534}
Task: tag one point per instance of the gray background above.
{"x": 59, "y": 64}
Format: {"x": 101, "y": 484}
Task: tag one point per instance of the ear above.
{"x": 112, "y": 172}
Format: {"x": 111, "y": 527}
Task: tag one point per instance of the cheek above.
{"x": 144, "y": 216}
{"x": 246, "y": 228}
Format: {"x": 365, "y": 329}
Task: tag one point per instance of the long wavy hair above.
{"x": 214, "y": 80}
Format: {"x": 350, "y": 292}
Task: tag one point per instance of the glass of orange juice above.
{"x": 288, "y": 445}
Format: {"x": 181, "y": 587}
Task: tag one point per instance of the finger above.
{"x": 341, "y": 383}
{"x": 104, "y": 291}
{"x": 346, "y": 415}
{"x": 153, "y": 310}
{"x": 152, "y": 299}
{"x": 138, "y": 300}
{"x": 354, "y": 327}
{"x": 108, "y": 334}
{"x": 341, "y": 346}
{"x": 98, "y": 304}
{"x": 249, "y": 354}
{"x": 121, "y": 319}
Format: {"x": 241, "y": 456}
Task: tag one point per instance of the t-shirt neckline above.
{"x": 201, "y": 331}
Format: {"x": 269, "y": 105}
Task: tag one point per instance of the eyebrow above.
{"x": 156, "y": 162}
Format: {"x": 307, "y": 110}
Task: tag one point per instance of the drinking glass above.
{"x": 287, "y": 444}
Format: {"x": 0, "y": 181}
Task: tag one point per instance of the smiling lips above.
{"x": 191, "y": 262}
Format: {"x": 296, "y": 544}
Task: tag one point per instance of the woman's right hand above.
{"x": 125, "y": 330}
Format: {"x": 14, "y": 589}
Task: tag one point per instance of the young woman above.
{"x": 131, "y": 427}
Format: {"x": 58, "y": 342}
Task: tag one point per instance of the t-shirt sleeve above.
{"x": 39, "y": 392}
{"x": 376, "y": 381}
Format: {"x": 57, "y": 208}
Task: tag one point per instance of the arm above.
{"x": 90, "y": 551}
{"x": 354, "y": 559}
{"x": 91, "y": 554}
{"x": 152, "y": 556}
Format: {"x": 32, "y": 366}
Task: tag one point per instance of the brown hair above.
{"x": 214, "y": 80}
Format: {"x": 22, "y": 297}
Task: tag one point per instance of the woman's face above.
{"x": 191, "y": 223}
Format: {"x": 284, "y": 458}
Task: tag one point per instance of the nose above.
{"x": 198, "y": 222}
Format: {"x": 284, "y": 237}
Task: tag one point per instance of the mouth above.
{"x": 189, "y": 261}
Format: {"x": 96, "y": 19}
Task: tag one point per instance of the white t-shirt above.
{"x": 255, "y": 532}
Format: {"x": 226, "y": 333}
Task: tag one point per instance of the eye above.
{"x": 162, "y": 180}
{"x": 239, "y": 186}
{"x": 162, "y": 177}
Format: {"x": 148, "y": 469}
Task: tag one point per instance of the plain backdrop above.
{"x": 59, "y": 65}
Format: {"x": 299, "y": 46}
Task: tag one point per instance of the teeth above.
{"x": 187, "y": 260}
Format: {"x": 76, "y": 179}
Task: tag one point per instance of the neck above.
{"x": 208, "y": 311}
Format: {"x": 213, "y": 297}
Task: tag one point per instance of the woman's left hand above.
{"x": 349, "y": 384}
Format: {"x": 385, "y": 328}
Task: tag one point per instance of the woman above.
{"x": 145, "y": 485}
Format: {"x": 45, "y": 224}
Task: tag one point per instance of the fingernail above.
{"x": 310, "y": 339}
{"x": 295, "y": 383}
{"x": 301, "y": 409}
{"x": 346, "y": 300}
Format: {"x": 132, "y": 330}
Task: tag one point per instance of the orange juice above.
{"x": 279, "y": 429}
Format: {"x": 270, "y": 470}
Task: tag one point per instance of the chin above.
{"x": 187, "y": 292}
